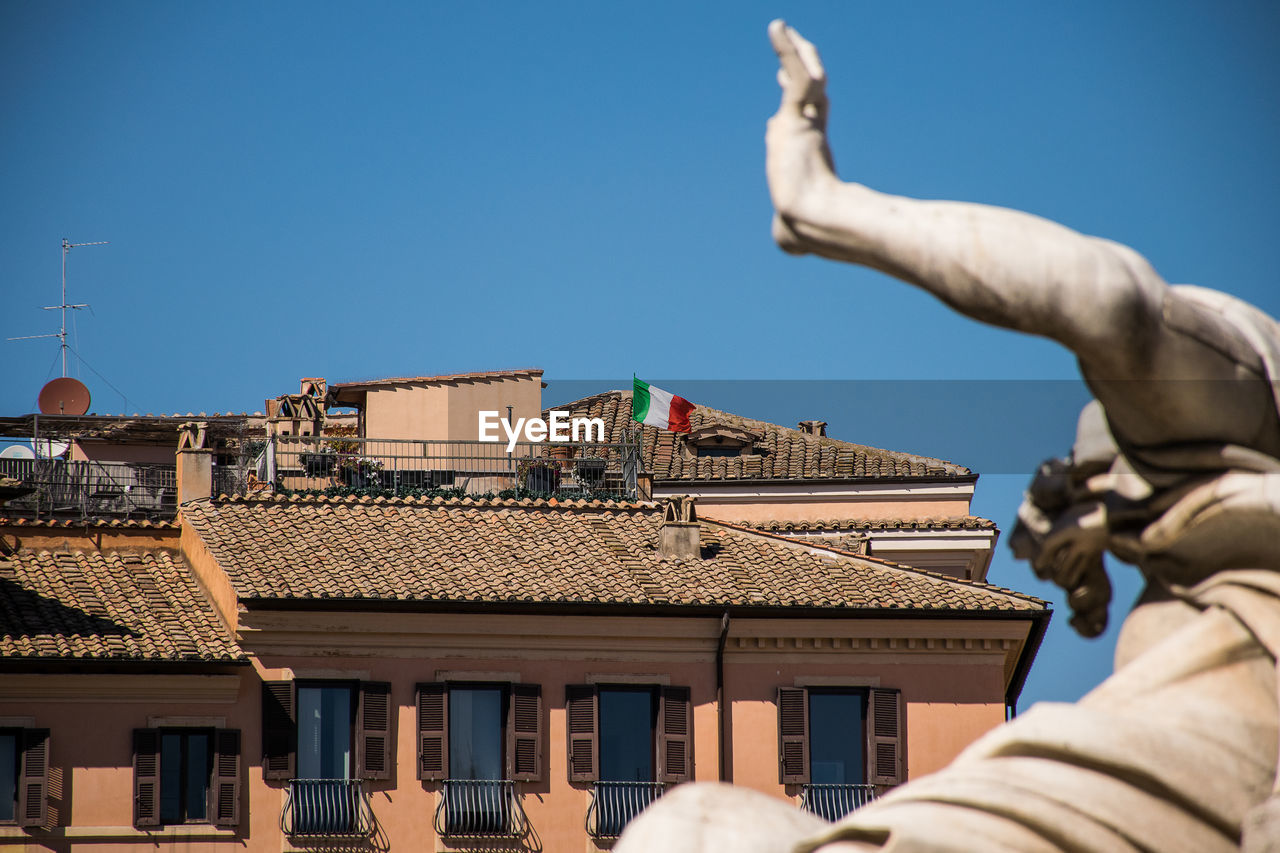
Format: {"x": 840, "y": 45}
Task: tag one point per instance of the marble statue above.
{"x": 1175, "y": 469}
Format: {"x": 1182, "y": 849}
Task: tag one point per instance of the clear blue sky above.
{"x": 358, "y": 190}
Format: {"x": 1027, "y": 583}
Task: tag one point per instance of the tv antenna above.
{"x": 61, "y": 334}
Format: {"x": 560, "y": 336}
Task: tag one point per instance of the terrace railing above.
{"x": 61, "y": 487}
{"x": 834, "y": 801}
{"x": 480, "y": 808}
{"x": 413, "y": 466}
{"x": 615, "y": 804}
{"x": 327, "y": 808}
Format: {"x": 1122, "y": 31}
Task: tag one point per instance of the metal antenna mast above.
{"x": 61, "y": 335}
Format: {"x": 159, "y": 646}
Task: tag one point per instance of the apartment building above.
{"x": 388, "y": 644}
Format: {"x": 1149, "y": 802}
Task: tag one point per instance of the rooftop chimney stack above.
{"x": 678, "y": 537}
{"x": 195, "y": 462}
{"x": 817, "y": 429}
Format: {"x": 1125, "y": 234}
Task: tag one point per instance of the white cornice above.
{"x": 737, "y": 492}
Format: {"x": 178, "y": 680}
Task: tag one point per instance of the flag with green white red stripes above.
{"x": 655, "y": 407}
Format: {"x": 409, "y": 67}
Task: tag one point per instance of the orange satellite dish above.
{"x": 65, "y": 396}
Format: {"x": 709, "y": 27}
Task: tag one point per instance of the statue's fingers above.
{"x": 809, "y": 56}
{"x": 794, "y": 76}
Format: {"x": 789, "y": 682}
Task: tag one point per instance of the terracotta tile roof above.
{"x": 846, "y": 525}
{"x": 533, "y": 551}
{"x": 786, "y": 454}
{"x": 112, "y": 606}
{"x": 449, "y": 377}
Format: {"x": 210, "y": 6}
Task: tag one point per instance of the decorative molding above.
{"x": 116, "y": 834}
{"x": 186, "y": 722}
{"x": 473, "y": 675}
{"x": 637, "y": 640}
{"x": 628, "y": 678}
{"x": 123, "y": 688}
{"x": 837, "y": 681}
{"x": 322, "y": 674}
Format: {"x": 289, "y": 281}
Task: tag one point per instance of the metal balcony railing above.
{"x": 327, "y": 808}
{"x": 413, "y": 466}
{"x": 92, "y": 489}
{"x": 481, "y": 808}
{"x": 614, "y": 804}
{"x": 834, "y": 801}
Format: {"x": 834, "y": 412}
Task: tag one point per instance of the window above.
{"x": 186, "y": 776}
{"x": 24, "y": 776}
{"x": 478, "y": 740}
{"x": 839, "y": 743}
{"x": 324, "y": 738}
{"x": 631, "y": 742}
{"x": 185, "y": 757}
{"x": 9, "y": 760}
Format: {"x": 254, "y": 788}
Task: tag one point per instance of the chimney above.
{"x": 678, "y": 537}
{"x": 817, "y": 429}
{"x": 195, "y": 463}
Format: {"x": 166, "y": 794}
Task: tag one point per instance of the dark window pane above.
{"x": 171, "y": 777}
{"x": 324, "y": 732}
{"x": 475, "y": 732}
{"x": 627, "y": 717}
{"x": 835, "y": 738}
{"x": 197, "y": 775}
{"x": 8, "y": 776}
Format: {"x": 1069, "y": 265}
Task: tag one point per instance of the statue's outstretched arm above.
{"x": 999, "y": 266}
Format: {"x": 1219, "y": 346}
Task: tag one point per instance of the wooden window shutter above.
{"x": 524, "y": 733}
{"x": 886, "y": 722}
{"x": 581, "y": 701}
{"x": 33, "y": 778}
{"x": 373, "y": 735}
{"x": 793, "y": 735}
{"x": 279, "y": 730}
{"x": 146, "y": 777}
{"x": 675, "y": 735}
{"x": 433, "y": 731}
{"x": 224, "y": 780}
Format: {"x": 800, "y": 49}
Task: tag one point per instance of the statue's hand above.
{"x": 1064, "y": 533}
{"x": 798, "y": 161}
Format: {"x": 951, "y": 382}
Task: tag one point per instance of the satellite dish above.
{"x": 17, "y": 451}
{"x": 65, "y": 396}
{"x": 49, "y": 448}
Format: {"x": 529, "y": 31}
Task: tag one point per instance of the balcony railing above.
{"x": 413, "y": 466}
{"x": 92, "y": 489}
{"x": 834, "y": 801}
{"x": 614, "y": 804}
{"x": 481, "y": 808}
{"x": 327, "y": 808}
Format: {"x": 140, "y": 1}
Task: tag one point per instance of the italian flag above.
{"x": 662, "y": 409}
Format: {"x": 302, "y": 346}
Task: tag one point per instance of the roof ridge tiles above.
{"x": 881, "y": 560}
{"x": 468, "y": 501}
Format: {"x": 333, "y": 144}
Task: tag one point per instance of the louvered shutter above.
{"x": 793, "y": 735}
{"x": 33, "y": 778}
{"x": 279, "y": 730}
{"x": 224, "y": 781}
{"x": 886, "y": 721}
{"x": 524, "y": 733}
{"x": 373, "y": 738}
{"x": 581, "y": 701}
{"x": 675, "y": 735}
{"x": 433, "y": 731}
{"x": 146, "y": 777}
